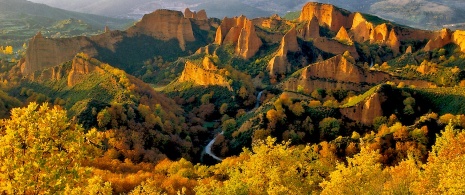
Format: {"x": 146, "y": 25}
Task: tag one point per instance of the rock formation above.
{"x": 367, "y": 110}
{"x": 201, "y": 15}
{"x": 165, "y": 25}
{"x": 44, "y": 53}
{"x": 444, "y": 37}
{"x": 279, "y": 63}
{"x": 361, "y": 28}
{"x": 328, "y": 15}
{"x": 334, "y": 47}
{"x": 240, "y": 32}
{"x": 80, "y": 68}
{"x": 336, "y": 72}
{"x": 408, "y": 50}
{"x": 311, "y": 29}
{"x": 342, "y": 36}
{"x": 204, "y": 77}
{"x": 393, "y": 42}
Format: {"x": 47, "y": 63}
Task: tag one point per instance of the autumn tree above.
{"x": 363, "y": 174}
{"x": 42, "y": 152}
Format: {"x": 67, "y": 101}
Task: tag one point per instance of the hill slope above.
{"x": 21, "y": 19}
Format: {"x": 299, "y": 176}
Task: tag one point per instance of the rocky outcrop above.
{"x": 311, "y": 29}
{"x": 336, "y": 72}
{"x": 80, "y": 68}
{"x": 240, "y": 32}
{"x": 393, "y": 42}
{"x": 328, "y": 15}
{"x": 201, "y": 15}
{"x": 44, "y": 53}
{"x": 334, "y": 47}
{"x": 367, "y": 110}
{"x": 361, "y": 28}
{"x": 279, "y": 63}
{"x": 408, "y": 50}
{"x": 204, "y": 77}
{"x": 444, "y": 37}
{"x": 342, "y": 36}
{"x": 165, "y": 25}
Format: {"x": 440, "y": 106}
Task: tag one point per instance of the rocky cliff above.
{"x": 459, "y": 38}
{"x": 279, "y": 63}
{"x": 45, "y": 53}
{"x": 201, "y": 15}
{"x": 342, "y": 36}
{"x": 328, "y": 15}
{"x": 204, "y": 75}
{"x": 311, "y": 29}
{"x": 240, "y": 32}
{"x": 334, "y": 47}
{"x": 367, "y": 110}
{"x": 165, "y": 25}
{"x": 80, "y": 68}
{"x": 336, "y": 72}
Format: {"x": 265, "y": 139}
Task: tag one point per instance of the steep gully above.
{"x": 208, "y": 148}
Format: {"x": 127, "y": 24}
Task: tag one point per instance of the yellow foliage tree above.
{"x": 42, "y": 152}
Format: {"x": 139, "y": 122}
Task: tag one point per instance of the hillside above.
{"x": 183, "y": 103}
{"x": 21, "y": 19}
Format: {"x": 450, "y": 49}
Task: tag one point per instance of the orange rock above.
{"x": 365, "y": 111}
{"x": 279, "y": 63}
{"x": 327, "y": 14}
{"x": 79, "y": 69}
{"x": 188, "y": 13}
{"x": 361, "y": 28}
{"x": 334, "y": 47}
{"x": 200, "y": 76}
{"x": 343, "y": 36}
{"x": 393, "y": 42}
{"x": 239, "y": 31}
{"x": 335, "y": 73}
{"x": 44, "y": 53}
{"x": 443, "y": 38}
{"x": 311, "y": 30}
{"x": 409, "y": 49}
{"x": 165, "y": 25}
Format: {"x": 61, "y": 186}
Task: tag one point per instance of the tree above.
{"x": 8, "y": 50}
{"x": 363, "y": 174}
{"x": 42, "y": 152}
{"x": 329, "y": 128}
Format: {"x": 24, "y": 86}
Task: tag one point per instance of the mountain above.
{"x": 21, "y": 19}
{"x": 329, "y": 85}
{"x": 425, "y": 14}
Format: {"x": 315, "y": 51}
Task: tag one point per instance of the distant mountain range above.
{"x": 21, "y": 19}
{"x": 426, "y": 14}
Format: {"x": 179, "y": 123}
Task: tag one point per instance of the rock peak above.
{"x": 343, "y": 36}
{"x": 240, "y": 32}
{"x": 327, "y": 15}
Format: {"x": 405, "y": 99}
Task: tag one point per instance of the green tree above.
{"x": 329, "y": 128}
{"x": 42, "y": 152}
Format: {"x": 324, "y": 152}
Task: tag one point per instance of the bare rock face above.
{"x": 393, "y": 42}
{"x": 408, "y": 50}
{"x": 365, "y": 111}
{"x": 311, "y": 30}
{"x": 361, "y": 28}
{"x": 279, "y": 63}
{"x": 443, "y": 38}
{"x": 44, "y": 53}
{"x": 240, "y": 32}
{"x": 334, "y": 47}
{"x": 343, "y": 36}
{"x": 201, "y": 15}
{"x": 327, "y": 15}
{"x": 336, "y": 72}
{"x": 80, "y": 68}
{"x": 165, "y": 25}
{"x": 203, "y": 77}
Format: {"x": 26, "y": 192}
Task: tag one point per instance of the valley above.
{"x": 331, "y": 101}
